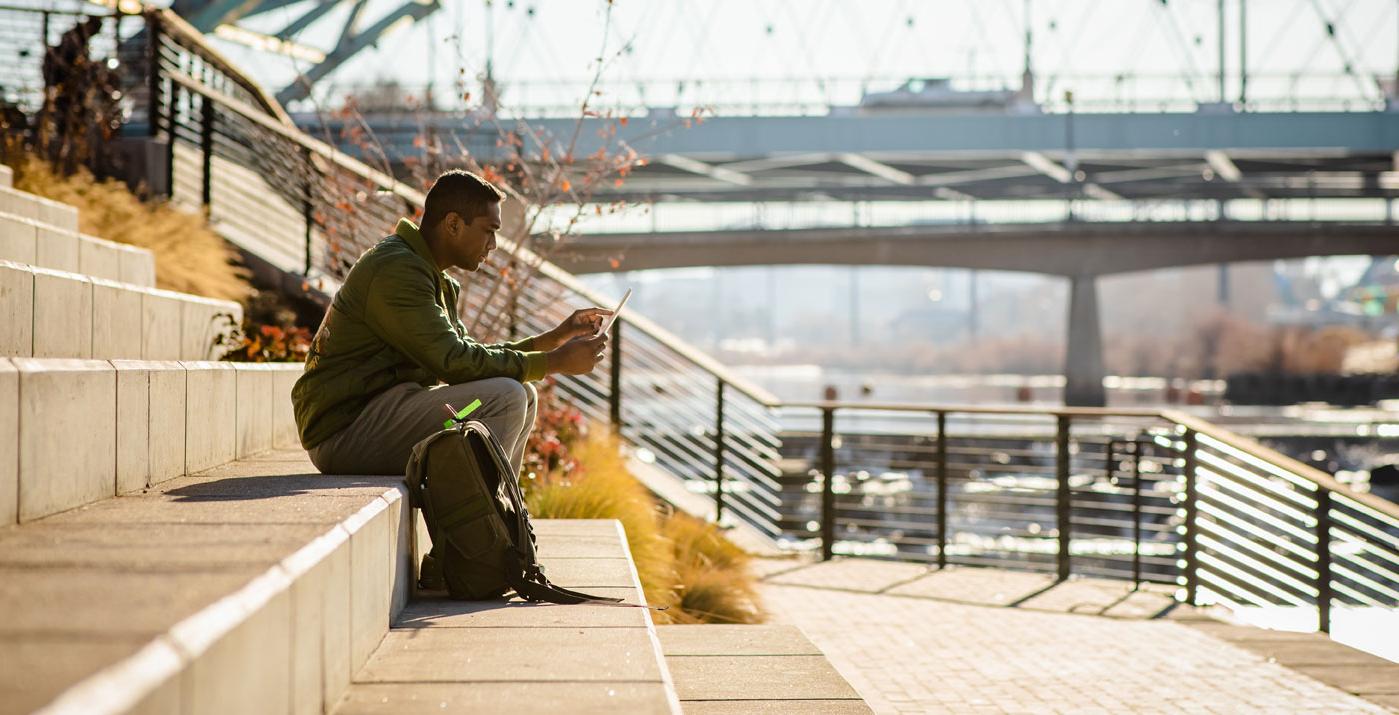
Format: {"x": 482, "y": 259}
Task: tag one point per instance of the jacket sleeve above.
{"x": 523, "y": 344}
{"x": 401, "y": 308}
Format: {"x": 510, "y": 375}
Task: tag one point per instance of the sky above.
{"x": 545, "y": 51}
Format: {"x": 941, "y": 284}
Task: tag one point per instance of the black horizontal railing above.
{"x": 1144, "y": 495}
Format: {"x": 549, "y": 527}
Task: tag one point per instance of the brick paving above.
{"x": 913, "y": 654}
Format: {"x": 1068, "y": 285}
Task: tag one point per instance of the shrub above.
{"x": 269, "y": 333}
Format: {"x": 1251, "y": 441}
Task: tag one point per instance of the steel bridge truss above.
{"x": 221, "y": 18}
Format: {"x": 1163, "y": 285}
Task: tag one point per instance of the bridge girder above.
{"x": 1065, "y": 249}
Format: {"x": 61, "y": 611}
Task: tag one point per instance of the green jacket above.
{"x": 394, "y": 320}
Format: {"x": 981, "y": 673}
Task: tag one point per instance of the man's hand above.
{"x": 578, "y": 356}
{"x": 582, "y": 322}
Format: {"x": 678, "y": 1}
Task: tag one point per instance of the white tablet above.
{"x": 607, "y": 322}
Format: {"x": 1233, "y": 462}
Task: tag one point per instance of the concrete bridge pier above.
{"x": 1083, "y": 363}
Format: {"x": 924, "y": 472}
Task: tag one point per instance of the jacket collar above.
{"x": 408, "y": 231}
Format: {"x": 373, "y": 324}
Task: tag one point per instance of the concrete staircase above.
{"x": 167, "y": 547}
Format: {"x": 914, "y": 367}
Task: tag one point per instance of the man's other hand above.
{"x": 578, "y": 356}
{"x": 582, "y": 322}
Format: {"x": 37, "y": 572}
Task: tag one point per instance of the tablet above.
{"x": 607, "y": 322}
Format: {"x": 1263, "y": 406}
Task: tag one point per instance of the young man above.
{"x": 391, "y": 351}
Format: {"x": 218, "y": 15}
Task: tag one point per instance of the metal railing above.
{"x": 1134, "y": 494}
{"x": 1146, "y": 495}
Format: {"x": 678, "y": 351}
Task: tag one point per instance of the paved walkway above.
{"x": 899, "y": 635}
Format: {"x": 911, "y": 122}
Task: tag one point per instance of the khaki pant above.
{"x": 381, "y": 439}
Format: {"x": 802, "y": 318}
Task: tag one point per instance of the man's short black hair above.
{"x": 461, "y": 191}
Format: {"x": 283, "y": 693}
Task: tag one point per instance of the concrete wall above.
{"x": 67, "y": 434}
{"x": 76, "y": 431}
{"x": 51, "y": 313}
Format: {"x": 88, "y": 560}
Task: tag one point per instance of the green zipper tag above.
{"x": 463, "y": 414}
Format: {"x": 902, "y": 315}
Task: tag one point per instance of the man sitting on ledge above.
{"x": 371, "y": 386}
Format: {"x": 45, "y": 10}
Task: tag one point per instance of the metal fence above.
{"x": 1150, "y": 496}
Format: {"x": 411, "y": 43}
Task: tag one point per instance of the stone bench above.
{"x": 256, "y": 587}
{"x": 457, "y": 656}
{"x": 77, "y": 431}
{"x": 37, "y": 208}
{"x": 51, "y": 313}
{"x": 29, "y": 242}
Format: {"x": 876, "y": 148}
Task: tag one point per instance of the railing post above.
{"x": 719, "y": 453}
{"x": 307, "y": 215}
{"x": 828, "y": 495}
{"x": 171, "y": 109}
{"x": 1323, "y": 559}
{"x": 1062, "y": 503}
{"x": 942, "y": 489}
{"x": 206, "y": 145}
{"x": 614, "y": 396}
{"x": 1191, "y": 510}
{"x": 1137, "y": 512}
{"x": 153, "y": 73}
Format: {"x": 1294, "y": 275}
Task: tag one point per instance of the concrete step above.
{"x": 37, "y": 208}
{"x": 512, "y": 656}
{"x": 753, "y": 669}
{"x": 24, "y": 240}
{"x": 73, "y": 432}
{"x": 7, "y": 176}
{"x": 51, "y": 313}
{"x": 256, "y": 587}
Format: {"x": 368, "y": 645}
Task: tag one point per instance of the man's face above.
{"x": 470, "y": 243}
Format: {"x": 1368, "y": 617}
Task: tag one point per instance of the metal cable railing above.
{"x": 1145, "y": 495}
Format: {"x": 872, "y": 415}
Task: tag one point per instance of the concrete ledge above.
{"x": 67, "y": 434}
{"x": 251, "y": 613}
{"x": 202, "y": 322}
{"x": 25, "y": 240}
{"x": 255, "y": 401}
{"x": 9, "y": 442}
{"x": 83, "y": 430}
{"x": 211, "y": 410}
{"x": 51, "y": 313}
{"x": 136, "y": 265}
{"x": 27, "y": 205}
{"x": 57, "y": 249}
{"x": 160, "y": 325}
{"x": 284, "y": 432}
{"x": 513, "y": 656}
{"x": 16, "y": 310}
{"x": 17, "y": 239}
{"x": 754, "y": 668}
{"x": 116, "y": 320}
{"x": 62, "y": 314}
{"x": 150, "y": 423}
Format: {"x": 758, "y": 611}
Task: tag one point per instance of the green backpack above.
{"x": 476, "y": 516}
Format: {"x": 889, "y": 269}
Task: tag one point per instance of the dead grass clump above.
{"x": 607, "y": 491}
{"x": 714, "y": 582}
{"x": 683, "y": 562}
{"x": 189, "y": 257}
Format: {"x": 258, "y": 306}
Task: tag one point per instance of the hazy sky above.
{"x": 669, "y": 40}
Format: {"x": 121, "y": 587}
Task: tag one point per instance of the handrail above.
{"x": 407, "y": 193}
{"x": 172, "y": 24}
{"x": 1253, "y": 448}
{"x": 1243, "y": 444}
